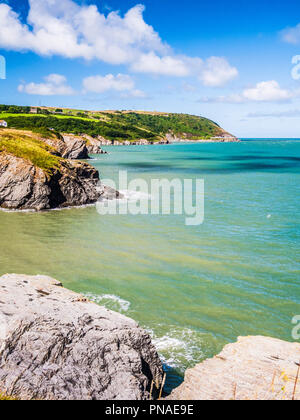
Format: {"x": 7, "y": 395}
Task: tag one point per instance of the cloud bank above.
{"x": 269, "y": 91}
{"x": 64, "y": 28}
{"x": 100, "y": 84}
{"x": 55, "y": 84}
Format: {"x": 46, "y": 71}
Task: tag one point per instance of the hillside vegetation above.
{"x": 112, "y": 125}
{"x": 28, "y": 146}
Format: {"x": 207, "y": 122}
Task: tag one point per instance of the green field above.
{"x": 5, "y": 115}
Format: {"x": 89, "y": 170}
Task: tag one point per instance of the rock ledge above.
{"x": 254, "y": 368}
{"x": 56, "y": 345}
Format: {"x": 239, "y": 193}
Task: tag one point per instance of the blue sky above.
{"x": 226, "y": 60}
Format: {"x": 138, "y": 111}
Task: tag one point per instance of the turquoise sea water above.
{"x": 194, "y": 289}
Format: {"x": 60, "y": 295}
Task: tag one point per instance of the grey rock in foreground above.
{"x": 254, "y": 368}
{"x": 56, "y": 345}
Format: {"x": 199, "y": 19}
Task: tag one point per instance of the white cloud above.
{"x": 55, "y": 85}
{"x": 122, "y": 83}
{"x": 217, "y": 72}
{"x": 291, "y": 35}
{"x": 168, "y": 66}
{"x": 64, "y": 28}
{"x": 136, "y": 93}
{"x": 56, "y": 79}
{"x": 84, "y": 30}
{"x": 213, "y": 72}
{"x": 100, "y": 84}
{"x": 269, "y": 91}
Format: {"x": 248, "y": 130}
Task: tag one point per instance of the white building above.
{"x": 3, "y": 123}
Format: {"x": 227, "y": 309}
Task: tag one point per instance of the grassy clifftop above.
{"x": 113, "y": 125}
{"x": 28, "y": 146}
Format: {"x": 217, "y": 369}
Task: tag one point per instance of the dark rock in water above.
{"x": 108, "y": 193}
{"x": 56, "y": 345}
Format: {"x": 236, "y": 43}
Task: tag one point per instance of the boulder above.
{"x": 108, "y": 193}
{"x": 254, "y": 368}
{"x": 57, "y": 345}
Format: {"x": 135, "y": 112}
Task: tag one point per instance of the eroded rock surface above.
{"x": 254, "y": 368}
{"x": 94, "y": 146}
{"x": 56, "y": 345}
{"x": 24, "y": 186}
{"x": 75, "y": 147}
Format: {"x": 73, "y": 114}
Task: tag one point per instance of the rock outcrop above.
{"x": 75, "y": 147}
{"x": 94, "y": 146}
{"x": 34, "y": 175}
{"x": 254, "y": 368}
{"x": 56, "y": 345}
{"x": 70, "y": 146}
{"x": 24, "y": 186}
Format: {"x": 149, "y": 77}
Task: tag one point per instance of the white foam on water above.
{"x": 112, "y": 302}
{"x": 179, "y": 347}
{"x": 135, "y": 195}
{"x": 16, "y": 211}
{"x": 83, "y": 206}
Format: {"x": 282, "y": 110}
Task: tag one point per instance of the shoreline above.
{"x": 250, "y": 368}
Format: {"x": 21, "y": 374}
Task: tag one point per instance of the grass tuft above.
{"x": 6, "y": 398}
{"x": 29, "y": 147}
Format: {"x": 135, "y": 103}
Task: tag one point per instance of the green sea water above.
{"x": 194, "y": 288}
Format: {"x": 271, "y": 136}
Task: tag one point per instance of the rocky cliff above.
{"x": 35, "y": 175}
{"x": 254, "y": 368}
{"x": 56, "y": 345}
{"x": 93, "y": 145}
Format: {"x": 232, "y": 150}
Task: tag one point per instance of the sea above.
{"x": 193, "y": 288}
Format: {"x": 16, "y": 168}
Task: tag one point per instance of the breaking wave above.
{"x": 113, "y": 302}
{"x": 179, "y": 348}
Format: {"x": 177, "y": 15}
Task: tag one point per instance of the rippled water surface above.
{"x": 193, "y": 288}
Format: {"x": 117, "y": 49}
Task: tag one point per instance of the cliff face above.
{"x": 25, "y": 186}
{"x": 69, "y": 146}
{"x": 35, "y": 176}
{"x": 254, "y": 368}
{"x": 94, "y": 145}
{"x": 56, "y": 345}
